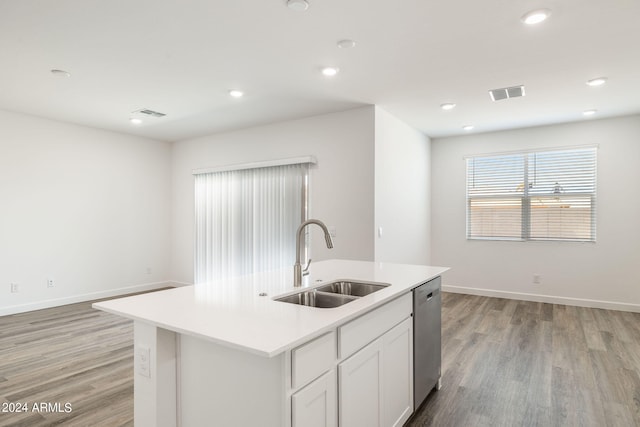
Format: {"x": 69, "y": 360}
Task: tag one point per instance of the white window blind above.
{"x": 538, "y": 195}
{"x": 245, "y": 220}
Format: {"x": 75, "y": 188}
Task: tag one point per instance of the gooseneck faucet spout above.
{"x": 297, "y": 268}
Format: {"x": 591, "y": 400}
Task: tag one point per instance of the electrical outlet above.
{"x": 50, "y": 283}
{"x": 15, "y": 288}
{"x": 537, "y": 279}
{"x": 143, "y": 361}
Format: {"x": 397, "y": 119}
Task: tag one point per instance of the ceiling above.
{"x": 182, "y": 57}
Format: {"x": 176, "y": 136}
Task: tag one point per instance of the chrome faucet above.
{"x": 297, "y": 268}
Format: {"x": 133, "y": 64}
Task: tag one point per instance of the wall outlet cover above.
{"x": 143, "y": 361}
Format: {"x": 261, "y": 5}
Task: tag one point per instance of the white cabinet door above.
{"x": 397, "y": 368}
{"x": 360, "y": 385}
{"x": 376, "y": 383}
{"x": 315, "y": 405}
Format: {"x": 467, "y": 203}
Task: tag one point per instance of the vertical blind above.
{"x": 537, "y": 195}
{"x": 246, "y": 220}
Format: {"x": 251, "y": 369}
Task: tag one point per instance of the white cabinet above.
{"x": 370, "y": 326}
{"x": 312, "y": 359}
{"x": 315, "y": 404}
{"x": 375, "y": 384}
{"x": 397, "y": 368}
{"x": 357, "y": 375}
{"x": 360, "y": 384}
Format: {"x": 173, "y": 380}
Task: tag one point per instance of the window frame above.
{"x": 526, "y": 196}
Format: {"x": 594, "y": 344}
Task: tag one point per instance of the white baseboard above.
{"x": 579, "y": 302}
{"x": 39, "y": 305}
{"x": 177, "y": 284}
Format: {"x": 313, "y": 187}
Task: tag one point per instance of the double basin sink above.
{"x": 333, "y": 294}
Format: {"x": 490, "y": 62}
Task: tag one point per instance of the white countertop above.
{"x": 231, "y": 312}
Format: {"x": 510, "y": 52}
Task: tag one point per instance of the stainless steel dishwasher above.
{"x": 427, "y": 339}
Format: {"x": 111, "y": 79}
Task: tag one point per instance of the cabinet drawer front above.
{"x": 361, "y": 331}
{"x": 312, "y": 359}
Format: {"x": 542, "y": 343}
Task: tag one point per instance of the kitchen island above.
{"x": 227, "y": 353}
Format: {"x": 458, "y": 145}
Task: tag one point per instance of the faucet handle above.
{"x": 305, "y": 270}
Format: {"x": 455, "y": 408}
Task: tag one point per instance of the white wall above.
{"x": 88, "y": 208}
{"x": 604, "y": 273}
{"x": 341, "y": 195}
{"x": 402, "y": 191}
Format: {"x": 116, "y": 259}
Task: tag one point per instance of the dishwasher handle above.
{"x": 423, "y": 297}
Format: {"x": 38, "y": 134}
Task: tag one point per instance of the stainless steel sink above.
{"x": 358, "y": 289}
{"x": 333, "y": 294}
{"x": 317, "y": 299}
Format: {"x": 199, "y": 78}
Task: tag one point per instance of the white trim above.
{"x": 178, "y": 346}
{"x": 177, "y": 284}
{"x": 578, "y": 302}
{"x": 39, "y": 305}
{"x": 532, "y": 150}
{"x": 256, "y": 165}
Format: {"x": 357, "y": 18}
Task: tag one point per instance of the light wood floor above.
{"x": 66, "y": 354}
{"x": 515, "y": 363}
{"x": 505, "y": 363}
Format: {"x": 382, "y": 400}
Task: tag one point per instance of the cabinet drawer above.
{"x": 361, "y": 331}
{"x": 312, "y": 359}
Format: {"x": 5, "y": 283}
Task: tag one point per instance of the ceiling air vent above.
{"x": 148, "y": 112}
{"x": 506, "y": 93}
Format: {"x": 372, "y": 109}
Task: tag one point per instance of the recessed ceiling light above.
{"x": 535, "y": 16}
{"x": 135, "y": 121}
{"x": 330, "y": 71}
{"x": 598, "y": 81}
{"x": 448, "y": 106}
{"x": 589, "y": 112}
{"x": 236, "y": 93}
{"x": 298, "y": 5}
{"x": 60, "y": 73}
{"x": 468, "y": 127}
{"x": 346, "y": 44}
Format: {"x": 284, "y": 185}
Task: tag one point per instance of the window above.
{"x": 246, "y": 219}
{"x": 538, "y": 195}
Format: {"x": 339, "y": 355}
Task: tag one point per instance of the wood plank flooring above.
{"x": 505, "y": 363}
{"x": 72, "y": 354}
{"x": 517, "y": 363}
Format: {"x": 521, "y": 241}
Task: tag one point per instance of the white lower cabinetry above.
{"x": 360, "y": 384}
{"x": 335, "y": 379}
{"x": 397, "y": 368}
{"x": 316, "y": 404}
{"x": 375, "y": 384}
